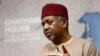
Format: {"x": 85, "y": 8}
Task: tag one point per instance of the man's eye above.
{"x": 49, "y": 22}
{"x": 42, "y": 24}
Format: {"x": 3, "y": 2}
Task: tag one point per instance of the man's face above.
{"x": 52, "y": 27}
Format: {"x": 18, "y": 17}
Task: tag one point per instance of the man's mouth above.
{"x": 48, "y": 34}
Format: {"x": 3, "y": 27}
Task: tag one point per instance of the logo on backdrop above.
{"x": 92, "y": 27}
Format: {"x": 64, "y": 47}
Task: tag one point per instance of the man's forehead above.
{"x": 49, "y": 18}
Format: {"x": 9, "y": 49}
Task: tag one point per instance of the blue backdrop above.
{"x": 93, "y": 21}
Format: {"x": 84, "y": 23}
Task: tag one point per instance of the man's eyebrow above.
{"x": 45, "y": 21}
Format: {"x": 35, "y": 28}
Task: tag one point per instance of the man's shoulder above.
{"x": 88, "y": 46}
{"x": 81, "y": 41}
{"x": 48, "y": 45}
{"x": 43, "y": 49}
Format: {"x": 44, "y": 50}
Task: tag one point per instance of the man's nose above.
{"x": 46, "y": 27}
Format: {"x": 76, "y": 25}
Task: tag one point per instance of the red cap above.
{"x": 54, "y": 9}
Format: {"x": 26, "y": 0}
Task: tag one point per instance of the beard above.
{"x": 52, "y": 37}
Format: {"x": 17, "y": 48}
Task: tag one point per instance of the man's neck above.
{"x": 64, "y": 38}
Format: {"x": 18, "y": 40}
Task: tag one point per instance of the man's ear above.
{"x": 65, "y": 22}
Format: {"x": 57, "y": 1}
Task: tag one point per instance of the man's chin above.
{"x": 51, "y": 38}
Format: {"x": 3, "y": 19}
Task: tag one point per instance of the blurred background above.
{"x": 20, "y": 24}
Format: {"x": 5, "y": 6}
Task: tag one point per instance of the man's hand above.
{"x": 65, "y": 52}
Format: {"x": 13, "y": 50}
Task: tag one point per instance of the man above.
{"x": 55, "y": 25}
